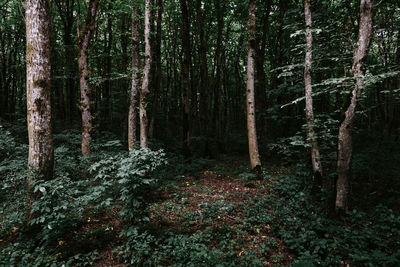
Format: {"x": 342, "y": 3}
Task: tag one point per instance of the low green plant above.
{"x": 363, "y": 239}
{"x": 58, "y": 207}
{"x": 132, "y": 178}
{"x": 26, "y": 253}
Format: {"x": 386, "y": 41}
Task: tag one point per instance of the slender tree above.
{"x": 158, "y": 66}
{"x": 146, "y": 77}
{"x": 38, "y": 92}
{"x": 185, "y": 72}
{"x": 132, "y": 118}
{"x": 84, "y": 36}
{"x": 312, "y": 140}
{"x": 205, "y": 92}
{"x": 395, "y": 81}
{"x": 108, "y": 43}
{"x": 261, "y": 94}
{"x": 123, "y": 95}
{"x": 66, "y": 11}
{"x": 218, "y": 68}
{"x": 250, "y": 100}
{"x": 345, "y": 147}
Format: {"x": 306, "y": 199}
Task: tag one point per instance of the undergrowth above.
{"x": 148, "y": 207}
{"x": 362, "y": 239}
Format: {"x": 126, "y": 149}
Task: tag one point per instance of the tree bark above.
{"x": 66, "y": 11}
{"x": 123, "y": 94}
{"x": 146, "y": 73}
{"x": 394, "y": 84}
{"x": 311, "y": 139}
{"x": 84, "y": 36}
{"x": 250, "y": 100}
{"x": 218, "y": 60}
{"x": 2, "y": 70}
{"x": 38, "y": 91}
{"x": 345, "y": 148}
{"x": 157, "y": 58}
{"x": 13, "y": 100}
{"x": 132, "y": 118}
{"x": 261, "y": 105}
{"x": 205, "y": 93}
{"x": 7, "y": 77}
{"x": 4, "y": 82}
{"x": 107, "y": 97}
{"x": 185, "y": 79}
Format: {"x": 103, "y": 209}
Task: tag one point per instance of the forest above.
{"x": 199, "y": 133}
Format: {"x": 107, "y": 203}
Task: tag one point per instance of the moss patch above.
{"x": 40, "y": 83}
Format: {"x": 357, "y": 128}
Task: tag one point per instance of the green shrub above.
{"x": 363, "y": 239}
{"x": 58, "y": 207}
{"x": 28, "y": 254}
{"x": 132, "y": 178}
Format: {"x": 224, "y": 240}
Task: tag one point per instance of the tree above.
{"x": 84, "y": 36}
{"x": 205, "y": 93}
{"x": 124, "y": 100}
{"x": 158, "y": 66}
{"x": 261, "y": 104}
{"x": 134, "y": 86}
{"x": 38, "y": 91}
{"x": 106, "y": 94}
{"x": 250, "y": 100}
{"x": 66, "y": 11}
{"x": 146, "y": 77}
{"x": 345, "y": 147}
{"x": 311, "y": 138}
{"x": 218, "y": 71}
{"x": 185, "y": 76}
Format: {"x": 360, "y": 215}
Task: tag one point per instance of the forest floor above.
{"x": 211, "y": 210}
{"x": 200, "y": 213}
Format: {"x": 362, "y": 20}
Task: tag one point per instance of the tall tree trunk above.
{"x": 185, "y": 79}
{"x": 3, "y": 80}
{"x": 250, "y": 100}
{"x": 205, "y": 93}
{"x": 311, "y": 139}
{"x": 218, "y": 59}
{"x": 146, "y": 73}
{"x": 13, "y": 100}
{"x": 66, "y": 11}
{"x": 123, "y": 94}
{"x": 394, "y": 84}
{"x": 108, "y": 37}
{"x": 277, "y": 51}
{"x": 21, "y": 103}
{"x": 69, "y": 82}
{"x": 38, "y": 92}
{"x": 345, "y": 147}
{"x": 134, "y": 87}
{"x": 2, "y": 70}
{"x": 84, "y": 36}
{"x": 157, "y": 57}
{"x": 261, "y": 105}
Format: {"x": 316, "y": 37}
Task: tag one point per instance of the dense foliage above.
{"x": 148, "y": 207}
{"x": 186, "y": 197}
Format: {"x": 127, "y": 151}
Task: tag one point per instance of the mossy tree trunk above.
{"x": 311, "y": 138}
{"x": 345, "y": 146}
{"x": 146, "y": 77}
{"x": 132, "y": 117}
{"x": 38, "y": 93}
{"x": 84, "y": 36}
